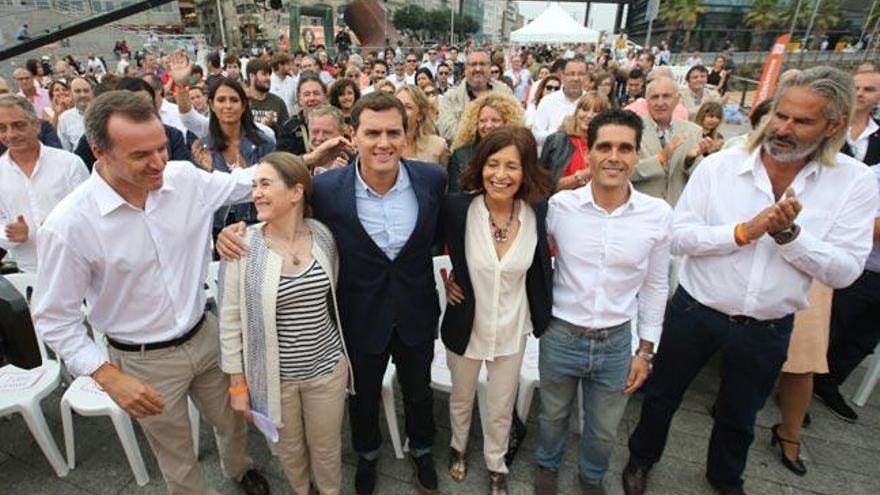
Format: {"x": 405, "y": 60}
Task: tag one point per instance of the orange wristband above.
{"x": 239, "y": 390}
{"x": 739, "y": 234}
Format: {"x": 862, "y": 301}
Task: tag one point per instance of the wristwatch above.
{"x": 647, "y": 356}
{"x": 787, "y": 235}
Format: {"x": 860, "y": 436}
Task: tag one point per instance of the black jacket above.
{"x": 459, "y": 319}
{"x": 872, "y": 157}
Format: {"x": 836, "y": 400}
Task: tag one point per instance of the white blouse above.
{"x": 501, "y": 307}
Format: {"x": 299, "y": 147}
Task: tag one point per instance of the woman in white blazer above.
{"x": 280, "y": 336}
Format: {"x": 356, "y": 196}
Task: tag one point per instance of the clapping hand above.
{"x": 17, "y": 231}
{"x": 785, "y": 211}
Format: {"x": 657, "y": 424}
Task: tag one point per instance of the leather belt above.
{"x": 158, "y": 345}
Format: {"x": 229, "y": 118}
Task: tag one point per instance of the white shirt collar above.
{"x": 585, "y": 195}
{"x": 109, "y": 200}
{"x": 402, "y": 179}
{"x": 871, "y": 128}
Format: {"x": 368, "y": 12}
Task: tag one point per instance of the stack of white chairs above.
{"x": 25, "y": 399}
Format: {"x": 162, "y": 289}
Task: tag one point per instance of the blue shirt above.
{"x": 389, "y": 219}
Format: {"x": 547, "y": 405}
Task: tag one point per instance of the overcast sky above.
{"x": 601, "y": 15}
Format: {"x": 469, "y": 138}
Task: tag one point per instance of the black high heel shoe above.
{"x": 796, "y": 466}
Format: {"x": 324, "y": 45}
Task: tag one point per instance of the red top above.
{"x": 578, "y": 158}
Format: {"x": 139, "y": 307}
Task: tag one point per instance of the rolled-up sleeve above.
{"x": 62, "y": 280}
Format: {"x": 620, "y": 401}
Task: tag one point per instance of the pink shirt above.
{"x": 40, "y": 100}
{"x": 640, "y": 108}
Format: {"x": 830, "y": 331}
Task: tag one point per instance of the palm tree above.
{"x": 682, "y": 14}
{"x": 827, "y": 18}
{"x": 763, "y": 16}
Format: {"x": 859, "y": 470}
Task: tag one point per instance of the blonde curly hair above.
{"x": 510, "y": 109}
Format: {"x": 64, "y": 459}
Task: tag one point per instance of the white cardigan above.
{"x": 243, "y": 313}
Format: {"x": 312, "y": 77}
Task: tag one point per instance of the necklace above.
{"x": 283, "y": 244}
{"x": 499, "y": 234}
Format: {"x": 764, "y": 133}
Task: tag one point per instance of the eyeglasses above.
{"x": 551, "y": 87}
{"x": 495, "y": 71}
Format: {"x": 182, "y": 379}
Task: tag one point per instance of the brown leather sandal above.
{"x": 457, "y": 465}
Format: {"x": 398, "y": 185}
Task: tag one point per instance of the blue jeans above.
{"x": 600, "y": 364}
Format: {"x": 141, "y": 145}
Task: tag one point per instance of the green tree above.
{"x": 410, "y": 18}
{"x": 438, "y": 22}
{"x": 763, "y": 16}
{"x": 827, "y": 18}
{"x": 682, "y": 14}
{"x": 466, "y": 24}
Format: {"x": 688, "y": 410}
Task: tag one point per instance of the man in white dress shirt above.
{"x": 33, "y": 179}
{"x": 555, "y": 107}
{"x": 612, "y": 262}
{"x": 755, "y": 226}
{"x": 134, "y": 241}
{"x": 70, "y": 123}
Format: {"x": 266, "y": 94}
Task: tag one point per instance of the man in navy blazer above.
{"x": 384, "y": 214}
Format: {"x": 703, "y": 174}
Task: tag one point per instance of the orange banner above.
{"x": 772, "y": 69}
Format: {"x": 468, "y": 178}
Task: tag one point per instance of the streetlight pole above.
{"x": 451, "y": 25}
{"x": 867, "y": 20}
{"x": 797, "y": 13}
{"x": 809, "y": 28}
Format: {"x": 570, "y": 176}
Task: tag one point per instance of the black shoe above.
{"x": 635, "y": 479}
{"x": 546, "y": 481}
{"x": 808, "y": 420}
{"x": 726, "y": 490}
{"x": 836, "y": 404}
{"x": 796, "y": 466}
{"x": 253, "y": 483}
{"x": 426, "y": 476}
{"x": 365, "y": 477}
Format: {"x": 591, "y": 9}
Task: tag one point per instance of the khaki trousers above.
{"x": 312, "y": 411}
{"x": 190, "y": 369}
{"x": 503, "y": 378}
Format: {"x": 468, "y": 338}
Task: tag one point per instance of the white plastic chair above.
{"x": 869, "y": 381}
{"x": 26, "y": 401}
{"x": 86, "y": 398}
{"x": 391, "y": 410}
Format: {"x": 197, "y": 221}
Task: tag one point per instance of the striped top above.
{"x": 308, "y": 343}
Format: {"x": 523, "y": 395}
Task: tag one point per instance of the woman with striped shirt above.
{"x": 281, "y": 341}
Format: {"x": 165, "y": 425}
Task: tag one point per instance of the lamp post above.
{"x": 807, "y": 34}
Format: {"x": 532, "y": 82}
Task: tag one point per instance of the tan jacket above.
{"x": 654, "y": 180}
{"x": 687, "y": 99}
{"x": 452, "y": 107}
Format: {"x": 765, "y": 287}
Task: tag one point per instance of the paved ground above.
{"x": 842, "y": 458}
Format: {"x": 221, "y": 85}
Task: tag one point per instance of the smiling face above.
{"x": 613, "y": 156}
{"x": 412, "y": 109}
{"x": 17, "y": 132}
{"x": 503, "y": 174}
{"x": 137, "y": 156}
{"x": 227, "y": 105}
{"x": 697, "y": 81}
{"x": 311, "y": 94}
{"x": 272, "y": 198}
{"x": 380, "y": 138}
{"x": 346, "y": 99}
{"x": 477, "y": 69}
{"x": 488, "y": 120}
{"x": 797, "y": 125}
{"x": 710, "y": 122}
{"x": 582, "y": 117}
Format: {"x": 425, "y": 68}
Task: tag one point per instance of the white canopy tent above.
{"x": 554, "y": 25}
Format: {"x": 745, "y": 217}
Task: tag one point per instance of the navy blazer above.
{"x": 378, "y": 296}
{"x": 458, "y": 320}
{"x": 872, "y": 157}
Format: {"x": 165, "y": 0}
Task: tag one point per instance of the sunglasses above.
{"x": 550, "y": 87}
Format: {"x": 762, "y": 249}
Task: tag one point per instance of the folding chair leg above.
{"x": 36, "y": 422}
{"x": 122, "y": 423}
{"x": 869, "y": 381}
{"x": 67, "y": 424}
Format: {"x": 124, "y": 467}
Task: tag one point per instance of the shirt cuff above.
{"x": 799, "y": 247}
{"x": 86, "y": 362}
{"x": 651, "y": 333}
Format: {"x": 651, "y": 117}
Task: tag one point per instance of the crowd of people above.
{"x": 585, "y": 198}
